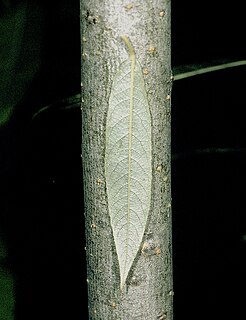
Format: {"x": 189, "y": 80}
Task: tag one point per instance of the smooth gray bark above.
{"x": 148, "y": 293}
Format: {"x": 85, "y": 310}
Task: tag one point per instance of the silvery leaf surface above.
{"x": 128, "y": 162}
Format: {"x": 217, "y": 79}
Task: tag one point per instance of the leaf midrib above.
{"x": 131, "y": 105}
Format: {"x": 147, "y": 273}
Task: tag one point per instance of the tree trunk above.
{"x": 147, "y": 293}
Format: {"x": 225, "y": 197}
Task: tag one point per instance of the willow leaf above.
{"x": 128, "y": 160}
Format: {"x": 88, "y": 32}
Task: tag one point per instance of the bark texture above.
{"x": 148, "y": 292}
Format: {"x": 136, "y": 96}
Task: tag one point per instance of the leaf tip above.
{"x": 122, "y": 284}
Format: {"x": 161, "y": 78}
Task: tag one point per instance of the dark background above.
{"x": 41, "y": 204}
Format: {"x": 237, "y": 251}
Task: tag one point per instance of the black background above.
{"x": 41, "y": 177}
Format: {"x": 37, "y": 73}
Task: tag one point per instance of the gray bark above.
{"x": 148, "y": 293}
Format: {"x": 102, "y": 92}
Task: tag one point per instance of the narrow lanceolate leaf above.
{"x": 128, "y": 160}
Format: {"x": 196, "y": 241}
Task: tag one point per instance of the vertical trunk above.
{"x": 148, "y": 290}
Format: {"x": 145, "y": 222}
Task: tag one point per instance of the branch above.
{"x": 192, "y": 73}
{"x": 188, "y": 154}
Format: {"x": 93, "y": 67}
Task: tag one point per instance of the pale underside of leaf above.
{"x": 128, "y": 162}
